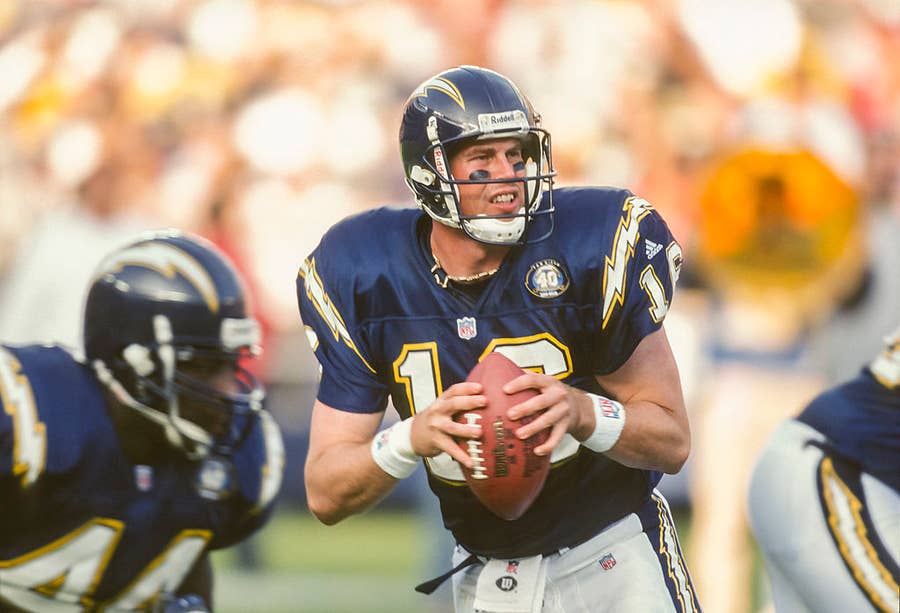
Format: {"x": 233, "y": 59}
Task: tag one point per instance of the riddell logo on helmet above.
{"x": 439, "y": 162}
{"x": 491, "y": 122}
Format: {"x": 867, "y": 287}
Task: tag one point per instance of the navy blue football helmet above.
{"x": 450, "y": 110}
{"x": 167, "y": 303}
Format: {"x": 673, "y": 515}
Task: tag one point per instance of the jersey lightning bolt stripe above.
{"x": 80, "y": 526}
{"x": 572, "y": 306}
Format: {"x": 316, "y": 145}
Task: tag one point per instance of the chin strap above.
{"x": 533, "y": 187}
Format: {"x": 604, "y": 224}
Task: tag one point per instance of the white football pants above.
{"x": 624, "y": 569}
{"x": 830, "y": 534}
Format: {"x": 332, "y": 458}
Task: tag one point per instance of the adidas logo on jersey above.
{"x": 651, "y": 248}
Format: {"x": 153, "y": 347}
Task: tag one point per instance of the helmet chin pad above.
{"x": 496, "y": 230}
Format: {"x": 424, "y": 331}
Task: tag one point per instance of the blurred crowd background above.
{"x": 767, "y": 132}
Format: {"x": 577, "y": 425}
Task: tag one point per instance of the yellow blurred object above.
{"x": 9, "y": 10}
{"x": 780, "y": 242}
{"x": 209, "y": 84}
{"x": 776, "y": 220}
{"x": 40, "y": 111}
{"x": 156, "y": 80}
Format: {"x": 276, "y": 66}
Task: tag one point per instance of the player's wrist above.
{"x": 609, "y": 420}
{"x": 583, "y": 419}
{"x": 393, "y": 452}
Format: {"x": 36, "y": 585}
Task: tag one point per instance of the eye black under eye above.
{"x": 518, "y": 166}
{"x": 479, "y": 175}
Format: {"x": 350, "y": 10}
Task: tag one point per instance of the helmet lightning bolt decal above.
{"x": 442, "y": 85}
{"x": 167, "y": 260}
{"x": 634, "y": 209}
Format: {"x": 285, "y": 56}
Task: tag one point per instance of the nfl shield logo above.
{"x": 143, "y": 477}
{"x": 607, "y": 561}
{"x": 609, "y": 409}
{"x": 465, "y": 327}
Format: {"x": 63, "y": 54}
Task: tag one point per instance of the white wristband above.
{"x": 609, "y": 416}
{"x": 392, "y": 450}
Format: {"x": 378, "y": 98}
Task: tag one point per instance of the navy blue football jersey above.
{"x": 572, "y": 306}
{"x": 81, "y": 526}
{"x": 861, "y": 418}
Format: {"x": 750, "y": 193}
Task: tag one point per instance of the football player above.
{"x": 121, "y": 470}
{"x": 825, "y": 497}
{"x": 571, "y": 284}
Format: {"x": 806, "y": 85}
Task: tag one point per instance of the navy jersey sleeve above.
{"x": 7, "y": 439}
{"x": 22, "y": 434}
{"x": 641, "y": 267}
{"x": 325, "y": 293}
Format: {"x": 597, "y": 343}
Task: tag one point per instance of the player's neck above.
{"x": 461, "y": 257}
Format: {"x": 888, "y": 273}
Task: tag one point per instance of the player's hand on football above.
{"x": 556, "y": 407}
{"x": 433, "y": 431}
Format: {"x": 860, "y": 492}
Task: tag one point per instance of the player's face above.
{"x": 492, "y": 159}
{"x": 219, "y": 375}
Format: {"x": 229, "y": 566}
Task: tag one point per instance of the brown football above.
{"x": 507, "y": 476}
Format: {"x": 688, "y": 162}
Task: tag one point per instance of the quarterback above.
{"x": 121, "y": 470}
{"x": 573, "y": 285}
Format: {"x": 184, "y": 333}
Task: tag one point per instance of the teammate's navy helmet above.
{"x": 449, "y": 110}
{"x": 156, "y": 305}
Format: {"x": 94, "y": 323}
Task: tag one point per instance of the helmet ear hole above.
{"x": 138, "y": 357}
{"x": 422, "y": 176}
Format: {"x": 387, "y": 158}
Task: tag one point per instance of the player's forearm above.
{"x": 653, "y": 439}
{"x": 344, "y": 481}
{"x": 656, "y": 434}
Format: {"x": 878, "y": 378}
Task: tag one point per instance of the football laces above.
{"x": 473, "y": 448}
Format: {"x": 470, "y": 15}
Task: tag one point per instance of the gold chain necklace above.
{"x": 436, "y": 270}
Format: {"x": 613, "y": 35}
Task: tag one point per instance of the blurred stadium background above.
{"x": 767, "y": 132}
